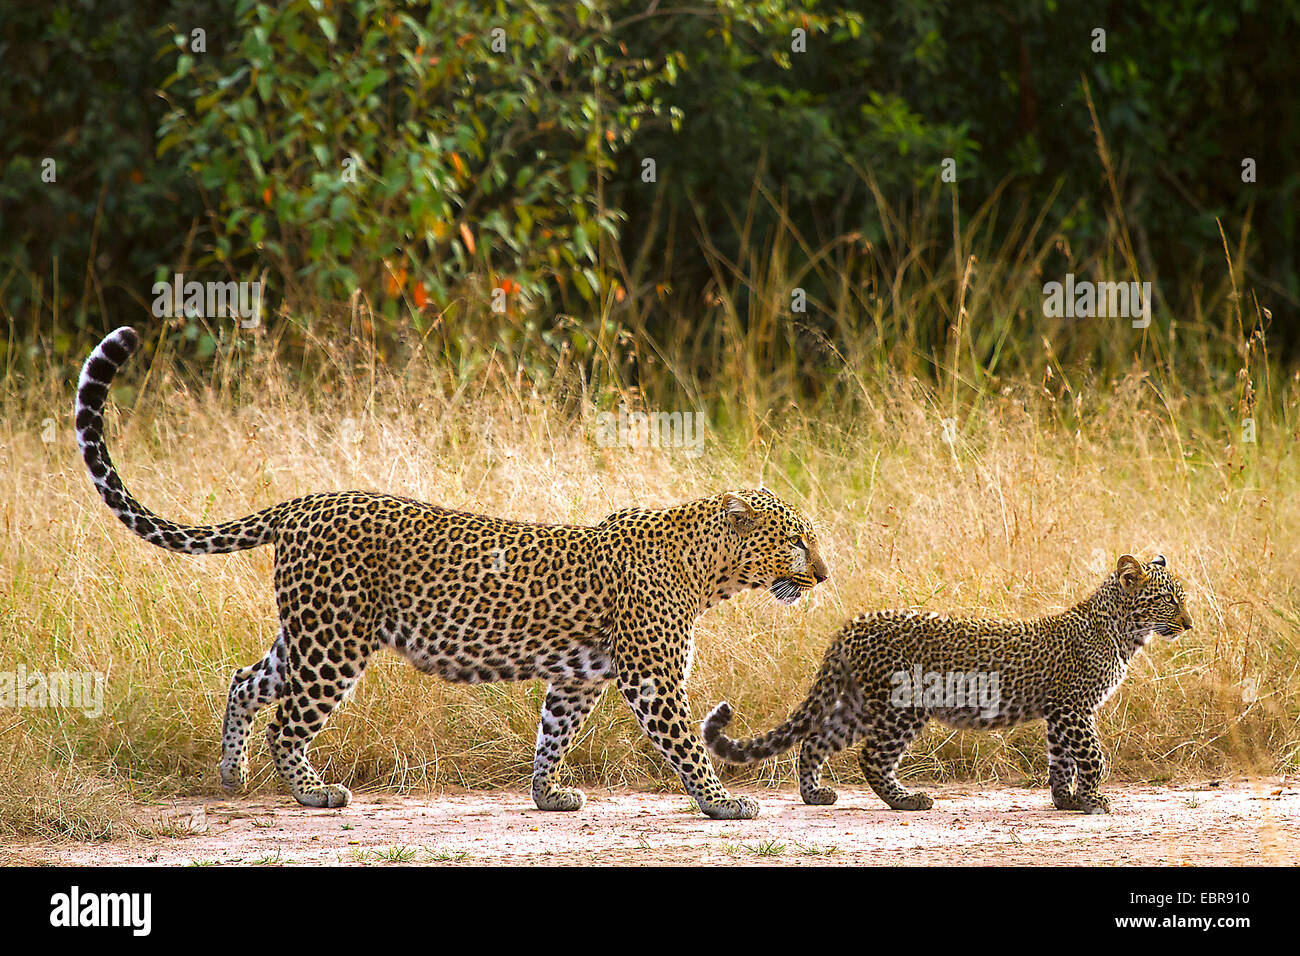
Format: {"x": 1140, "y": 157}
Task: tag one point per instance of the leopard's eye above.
{"x": 799, "y": 543}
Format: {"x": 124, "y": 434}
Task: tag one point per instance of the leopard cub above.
{"x": 888, "y": 673}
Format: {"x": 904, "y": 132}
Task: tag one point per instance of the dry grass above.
{"x": 1043, "y": 487}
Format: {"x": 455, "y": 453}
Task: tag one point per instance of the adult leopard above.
{"x": 888, "y": 673}
{"x": 475, "y": 598}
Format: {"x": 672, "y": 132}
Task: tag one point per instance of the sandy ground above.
{"x": 1225, "y": 822}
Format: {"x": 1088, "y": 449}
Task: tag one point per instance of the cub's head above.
{"x": 1155, "y": 599}
{"x": 773, "y": 546}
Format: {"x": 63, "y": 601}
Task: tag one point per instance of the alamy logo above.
{"x": 209, "y": 300}
{"x": 78, "y": 690}
{"x": 76, "y": 909}
{"x": 1087, "y": 300}
{"x": 973, "y": 689}
{"x": 626, "y": 429}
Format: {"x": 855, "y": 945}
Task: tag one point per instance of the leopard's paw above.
{"x": 913, "y": 801}
{"x": 329, "y": 796}
{"x": 735, "y": 808}
{"x": 820, "y": 797}
{"x": 1094, "y": 803}
{"x": 234, "y": 775}
{"x": 557, "y": 798}
{"x": 1065, "y": 801}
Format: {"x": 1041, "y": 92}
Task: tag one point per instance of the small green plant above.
{"x": 395, "y": 854}
{"x": 812, "y": 849}
{"x": 439, "y": 855}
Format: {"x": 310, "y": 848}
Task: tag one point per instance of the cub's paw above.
{"x": 1065, "y": 801}
{"x": 820, "y": 797}
{"x": 559, "y": 799}
{"x": 736, "y": 808}
{"x": 329, "y": 796}
{"x": 913, "y": 801}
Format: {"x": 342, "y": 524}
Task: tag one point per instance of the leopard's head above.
{"x": 1154, "y": 598}
{"x": 772, "y": 546}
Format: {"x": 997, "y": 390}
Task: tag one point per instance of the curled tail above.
{"x": 96, "y": 375}
{"x": 830, "y": 686}
{"x": 755, "y": 749}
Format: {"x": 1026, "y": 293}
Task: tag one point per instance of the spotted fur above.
{"x": 475, "y": 598}
{"x": 1062, "y": 668}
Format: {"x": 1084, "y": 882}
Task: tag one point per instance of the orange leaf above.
{"x": 420, "y": 294}
{"x": 266, "y": 195}
{"x": 468, "y": 237}
{"x": 393, "y": 282}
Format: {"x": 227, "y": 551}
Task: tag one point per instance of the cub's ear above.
{"x": 741, "y": 514}
{"x": 1130, "y": 571}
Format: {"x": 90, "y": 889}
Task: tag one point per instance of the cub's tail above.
{"x": 96, "y": 375}
{"x": 754, "y": 749}
{"x": 830, "y": 687}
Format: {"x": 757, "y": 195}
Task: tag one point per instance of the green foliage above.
{"x": 863, "y": 119}
{"x": 78, "y": 87}
{"x": 409, "y": 148}
{"x": 385, "y": 147}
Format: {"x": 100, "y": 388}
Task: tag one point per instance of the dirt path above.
{"x": 1230, "y": 822}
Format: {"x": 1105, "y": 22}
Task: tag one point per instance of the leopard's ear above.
{"x": 1130, "y": 571}
{"x": 742, "y": 515}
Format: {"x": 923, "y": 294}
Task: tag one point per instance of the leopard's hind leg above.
{"x": 837, "y": 731}
{"x": 565, "y": 708}
{"x": 814, "y": 752}
{"x": 322, "y": 669}
{"x": 251, "y": 689}
{"x": 888, "y": 737}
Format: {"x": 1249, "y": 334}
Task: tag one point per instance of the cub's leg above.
{"x": 251, "y": 689}
{"x": 888, "y": 737}
{"x": 840, "y": 727}
{"x": 323, "y": 666}
{"x": 814, "y": 752}
{"x": 565, "y": 708}
{"x": 1060, "y": 766}
{"x": 1079, "y": 734}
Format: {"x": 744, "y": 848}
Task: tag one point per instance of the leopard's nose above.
{"x": 819, "y": 572}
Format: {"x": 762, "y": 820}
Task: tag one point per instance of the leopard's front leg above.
{"x": 661, "y": 708}
{"x": 1078, "y": 732}
{"x": 1060, "y": 765}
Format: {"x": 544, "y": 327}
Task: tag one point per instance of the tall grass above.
{"x": 1074, "y": 441}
